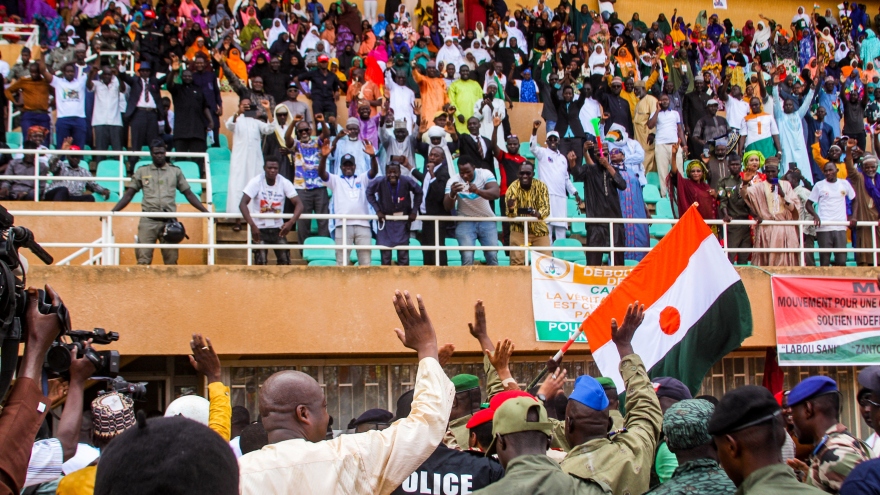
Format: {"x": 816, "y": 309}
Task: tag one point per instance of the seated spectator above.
{"x": 22, "y": 189}
{"x": 61, "y": 190}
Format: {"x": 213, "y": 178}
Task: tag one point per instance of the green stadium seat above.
{"x": 654, "y": 242}
{"x": 659, "y": 230}
{"x": 573, "y": 256}
{"x": 503, "y": 259}
{"x": 13, "y": 140}
{"x": 416, "y": 258}
{"x": 630, "y": 262}
{"x": 108, "y": 168}
{"x": 653, "y": 178}
{"x": 191, "y": 172}
{"x": 664, "y": 210}
{"x": 453, "y": 256}
{"x": 219, "y": 200}
{"x": 420, "y": 162}
{"x": 219, "y": 154}
{"x": 224, "y": 141}
{"x": 323, "y": 263}
{"x": 525, "y": 150}
{"x": 651, "y": 194}
{"x": 311, "y": 254}
{"x": 577, "y": 228}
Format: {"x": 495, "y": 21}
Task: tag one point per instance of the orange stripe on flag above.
{"x": 651, "y": 278}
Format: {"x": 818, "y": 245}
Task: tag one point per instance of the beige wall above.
{"x": 321, "y": 311}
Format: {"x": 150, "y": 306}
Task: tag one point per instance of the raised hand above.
{"x": 500, "y": 358}
{"x": 553, "y": 384}
{"x": 369, "y": 149}
{"x": 622, "y": 336}
{"x": 445, "y": 354}
{"x": 68, "y": 142}
{"x": 496, "y": 120}
{"x": 572, "y": 156}
{"x": 319, "y": 117}
{"x": 325, "y": 148}
{"x": 418, "y": 332}
{"x": 417, "y": 108}
{"x": 536, "y": 124}
{"x": 204, "y": 359}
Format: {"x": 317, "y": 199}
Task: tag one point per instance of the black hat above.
{"x": 870, "y": 378}
{"x": 167, "y": 455}
{"x": 666, "y": 386}
{"x": 346, "y": 158}
{"x": 372, "y": 416}
{"x": 741, "y": 408}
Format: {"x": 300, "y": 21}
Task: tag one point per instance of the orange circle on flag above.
{"x": 670, "y": 320}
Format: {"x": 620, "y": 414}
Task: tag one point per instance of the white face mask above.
{"x": 734, "y": 50}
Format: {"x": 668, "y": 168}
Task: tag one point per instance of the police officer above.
{"x": 748, "y": 430}
{"x": 160, "y": 181}
{"x": 815, "y": 410}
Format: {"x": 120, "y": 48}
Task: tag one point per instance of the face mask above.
{"x": 734, "y": 50}
{"x": 557, "y": 85}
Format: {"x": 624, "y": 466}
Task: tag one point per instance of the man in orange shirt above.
{"x": 433, "y": 90}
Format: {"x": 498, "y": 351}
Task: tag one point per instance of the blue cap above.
{"x": 589, "y": 392}
{"x": 145, "y": 65}
{"x": 811, "y": 387}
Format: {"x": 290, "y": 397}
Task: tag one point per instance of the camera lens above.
{"x": 58, "y": 358}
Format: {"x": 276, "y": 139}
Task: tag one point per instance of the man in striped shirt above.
{"x": 528, "y": 197}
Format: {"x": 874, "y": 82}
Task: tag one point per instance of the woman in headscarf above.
{"x": 349, "y": 26}
{"x": 786, "y": 53}
{"x": 638, "y": 24}
{"x": 761, "y": 43}
{"x": 870, "y": 48}
{"x": 250, "y": 32}
{"x": 186, "y": 8}
{"x": 679, "y": 32}
{"x": 869, "y": 74}
{"x": 309, "y": 41}
{"x": 197, "y": 47}
{"x": 825, "y": 48}
{"x": 541, "y": 60}
{"x": 748, "y": 32}
{"x": 275, "y": 31}
{"x": 710, "y": 62}
{"x": 692, "y": 188}
{"x": 328, "y": 35}
{"x": 668, "y": 46}
{"x": 663, "y": 24}
{"x": 626, "y": 65}
{"x": 257, "y": 49}
{"x": 280, "y": 46}
{"x": 803, "y": 30}
{"x": 597, "y": 61}
{"x": 368, "y": 43}
{"x": 421, "y": 48}
{"x": 237, "y": 66}
{"x": 260, "y": 68}
{"x": 626, "y": 156}
{"x": 380, "y": 53}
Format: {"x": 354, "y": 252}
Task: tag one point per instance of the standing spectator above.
{"x": 772, "y": 199}
{"x": 830, "y": 196}
{"x": 297, "y": 107}
{"x": 22, "y": 189}
{"x": 464, "y": 93}
{"x": 568, "y": 123}
{"x": 645, "y": 108}
{"x": 324, "y": 87}
{"x": 709, "y": 128}
{"x": 527, "y": 197}
{"x": 694, "y": 108}
{"x": 477, "y": 147}
{"x": 203, "y": 76}
{"x": 106, "y": 118}
{"x": 601, "y": 200}
{"x": 553, "y": 166}
{"x": 488, "y": 108}
{"x": 70, "y": 103}
{"x": 864, "y": 184}
{"x": 509, "y": 163}
{"x": 144, "y": 110}
{"x": 758, "y": 132}
{"x": 34, "y": 101}
{"x": 432, "y": 89}
{"x": 733, "y": 206}
{"x": 193, "y": 117}
{"x": 159, "y": 181}
{"x": 305, "y": 154}
{"x": 668, "y": 141}
{"x": 62, "y": 190}
{"x": 350, "y": 198}
{"x": 469, "y": 193}
{"x": 266, "y": 193}
{"x": 62, "y": 54}
{"x": 434, "y": 179}
{"x": 21, "y": 69}
{"x": 789, "y": 119}
{"x": 855, "y": 99}
{"x": 246, "y": 161}
{"x": 615, "y": 106}
{"x": 802, "y": 190}
{"x": 394, "y": 195}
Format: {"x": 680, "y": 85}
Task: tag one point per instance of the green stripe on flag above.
{"x": 721, "y": 330}
{"x": 860, "y": 352}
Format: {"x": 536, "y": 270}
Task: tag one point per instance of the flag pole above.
{"x": 557, "y": 357}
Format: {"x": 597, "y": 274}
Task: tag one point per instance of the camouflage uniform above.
{"x": 701, "y": 476}
{"x": 457, "y": 433}
{"x": 835, "y": 456}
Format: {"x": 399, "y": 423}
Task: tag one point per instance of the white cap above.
{"x": 191, "y": 407}
{"x": 552, "y": 133}
{"x": 713, "y": 101}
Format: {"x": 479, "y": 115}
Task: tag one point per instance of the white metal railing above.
{"x": 31, "y": 31}
{"x": 121, "y": 179}
{"x": 11, "y": 113}
{"x": 128, "y": 56}
{"x": 110, "y": 248}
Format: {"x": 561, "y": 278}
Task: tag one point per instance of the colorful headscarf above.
{"x": 749, "y": 154}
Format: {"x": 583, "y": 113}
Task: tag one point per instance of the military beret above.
{"x": 589, "y": 392}
{"x": 607, "y": 383}
{"x": 480, "y": 417}
{"x": 811, "y": 387}
{"x": 743, "y": 407}
{"x": 465, "y": 382}
{"x": 499, "y": 398}
{"x": 686, "y": 424}
{"x": 870, "y": 378}
{"x": 373, "y": 416}
{"x": 666, "y": 386}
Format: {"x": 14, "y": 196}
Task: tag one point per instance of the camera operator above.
{"x": 528, "y": 197}
{"x": 26, "y": 406}
{"x": 47, "y": 456}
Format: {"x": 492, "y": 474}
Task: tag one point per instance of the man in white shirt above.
{"x": 350, "y": 198}
{"x": 553, "y": 167}
{"x": 469, "y": 193}
{"x": 294, "y": 412}
{"x": 266, "y": 193}
{"x": 70, "y": 103}
{"x": 830, "y": 196}
{"x": 106, "y": 118}
{"x": 669, "y": 132}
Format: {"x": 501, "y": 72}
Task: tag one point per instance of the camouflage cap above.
{"x": 512, "y": 417}
{"x": 686, "y": 424}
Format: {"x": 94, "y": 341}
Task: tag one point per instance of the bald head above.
{"x": 292, "y": 405}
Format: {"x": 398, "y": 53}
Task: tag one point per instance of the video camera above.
{"x": 13, "y": 296}
{"x": 136, "y": 390}
{"x": 106, "y": 362}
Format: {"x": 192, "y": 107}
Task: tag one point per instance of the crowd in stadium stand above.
{"x": 631, "y": 110}
{"x": 447, "y": 435}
